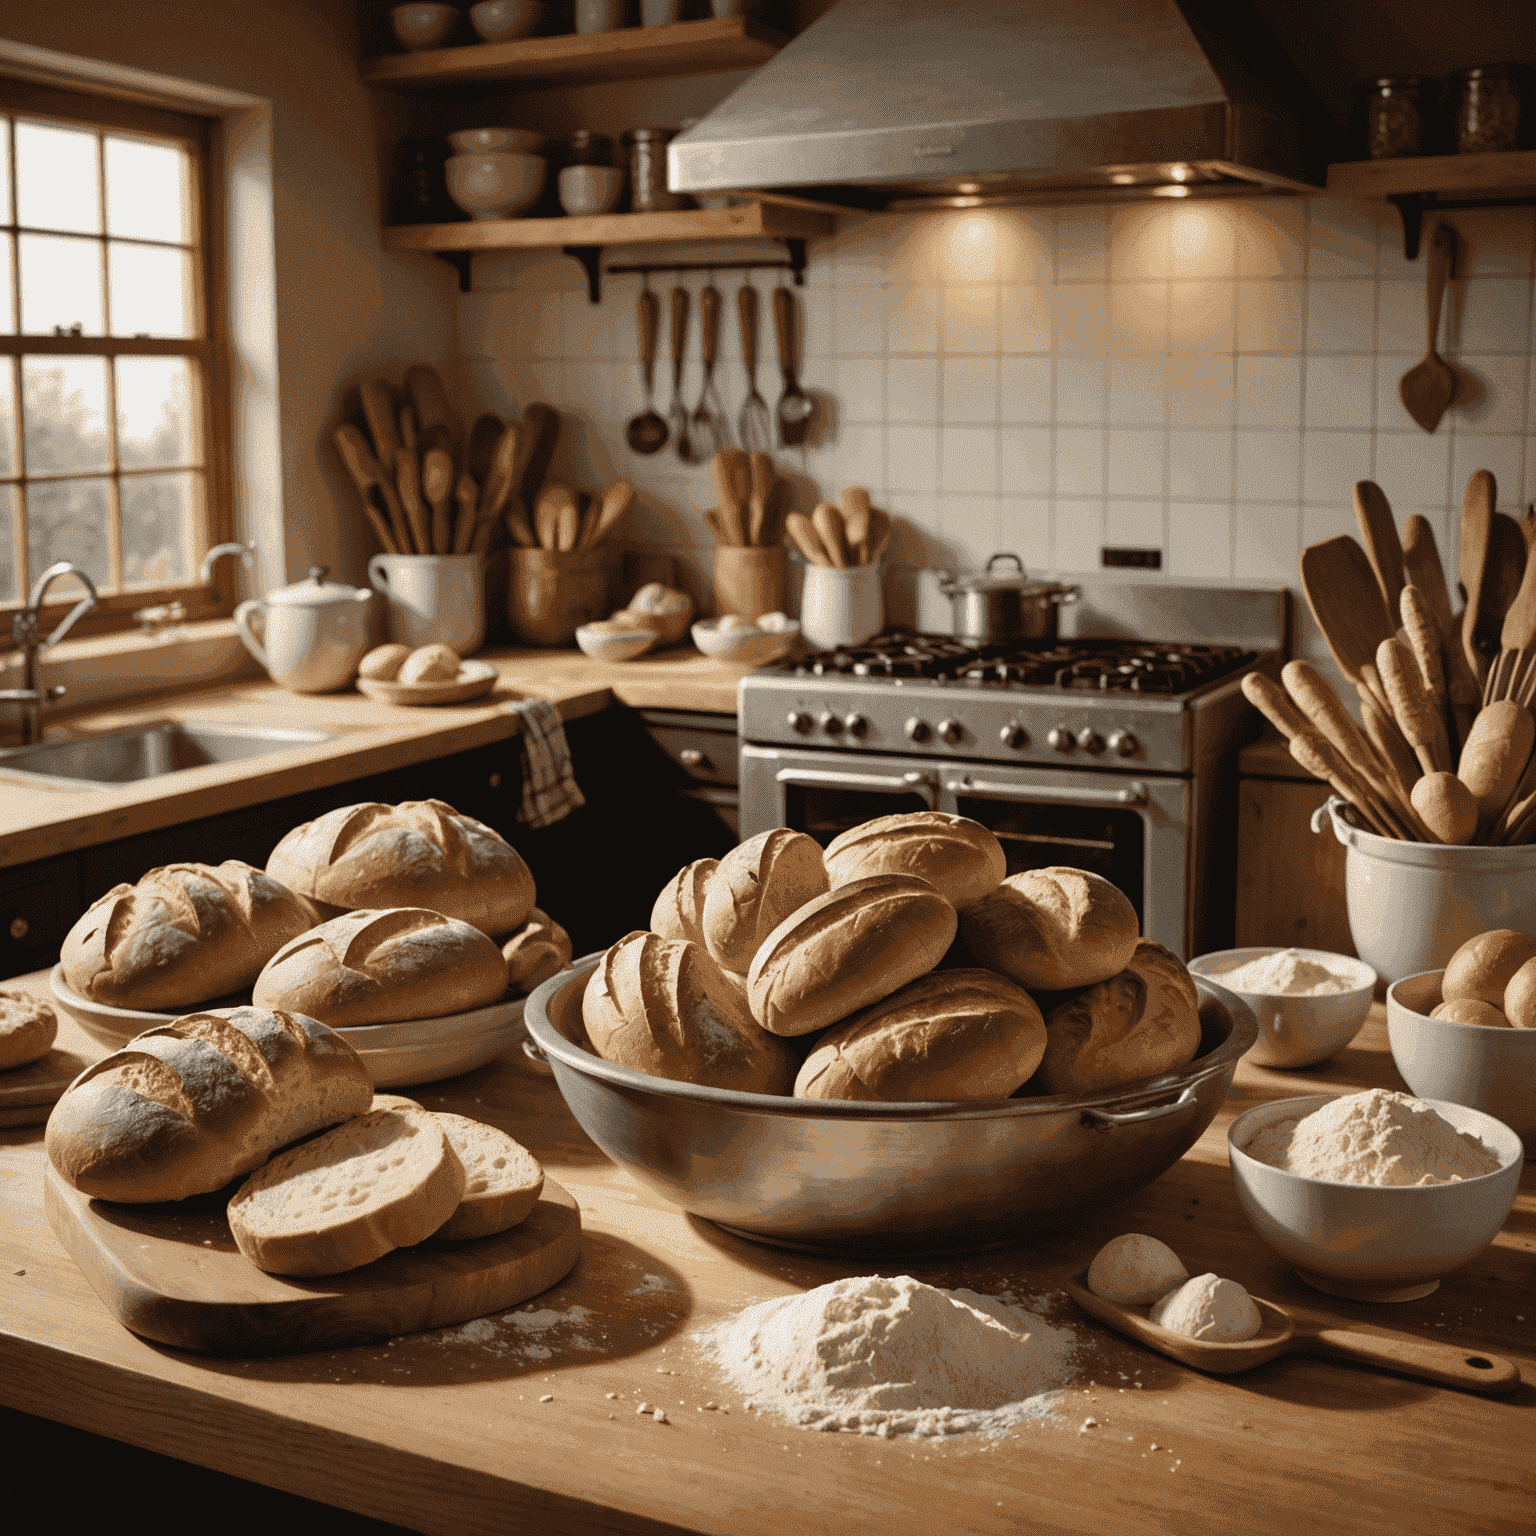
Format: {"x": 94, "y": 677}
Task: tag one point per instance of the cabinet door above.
{"x": 38, "y": 906}
{"x": 1290, "y": 880}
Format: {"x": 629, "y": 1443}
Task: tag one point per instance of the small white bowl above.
{"x": 500, "y": 21}
{"x": 1374, "y": 1242}
{"x": 497, "y": 185}
{"x": 614, "y": 645}
{"x": 744, "y": 647}
{"x": 481, "y": 141}
{"x": 587, "y": 190}
{"x": 1482, "y": 1066}
{"x": 423, "y": 26}
{"x": 1296, "y": 1031}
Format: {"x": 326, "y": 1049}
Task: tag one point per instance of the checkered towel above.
{"x": 549, "y": 788}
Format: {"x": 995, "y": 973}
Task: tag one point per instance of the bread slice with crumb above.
{"x": 384, "y": 1180}
{"x": 502, "y": 1179}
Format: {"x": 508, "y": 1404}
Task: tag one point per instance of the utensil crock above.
{"x": 551, "y": 593}
{"x": 433, "y": 599}
{"x": 841, "y": 605}
{"x": 750, "y": 581}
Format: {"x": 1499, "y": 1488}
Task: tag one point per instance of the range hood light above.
{"x": 969, "y": 186}
{"x": 1180, "y": 172}
{"x": 1170, "y": 191}
{"x": 1123, "y": 178}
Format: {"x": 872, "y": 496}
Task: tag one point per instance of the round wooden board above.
{"x": 28, "y": 1094}
{"x": 474, "y": 679}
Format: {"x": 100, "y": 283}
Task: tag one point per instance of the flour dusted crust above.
{"x": 1485, "y": 965}
{"x": 958, "y": 856}
{"x": 538, "y": 949}
{"x": 184, "y": 934}
{"x": 384, "y": 967}
{"x": 1141, "y": 1022}
{"x": 663, "y": 1007}
{"x": 186, "y": 1107}
{"x": 502, "y": 1179}
{"x": 961, "y": 1034}
{"x": 678, "y": 912}
{"x": 758, "y": 884}
{"x": 421, "y": 853}
{"x": 27, "y": 1028}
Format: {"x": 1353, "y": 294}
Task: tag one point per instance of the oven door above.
{"x": 825, "y": 793}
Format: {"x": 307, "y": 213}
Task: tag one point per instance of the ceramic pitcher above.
{"x": 309, "y": 636}
{"x": 433, "y": 599}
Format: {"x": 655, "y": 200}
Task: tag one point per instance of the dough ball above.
{"x": 431, "y": 664}
{"x": 1469, "y": 1010}
{"x": 382, "y": 664}
{"x": 1135, "y": 1269}
{"x": 27, "y": 1028}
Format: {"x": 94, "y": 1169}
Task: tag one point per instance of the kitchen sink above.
{"x": 125, "y": 757}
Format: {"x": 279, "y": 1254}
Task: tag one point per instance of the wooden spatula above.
{"x": 434, "y": 416}
{"x": 537, "y": 437}
{"x": 437, "y": 488}
{"x": 1346, "y": 602}
{"x": 1421, "y": 565}
{"x": 1503, "y": 574}
{"x": 1428, "y": 388}
{"x": 379, "y": 408}
{"x": 1378, "y": 532}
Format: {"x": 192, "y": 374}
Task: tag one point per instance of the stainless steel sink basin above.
{"x": 124, "y": 757}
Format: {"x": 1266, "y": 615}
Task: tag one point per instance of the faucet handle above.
{"x": 54, "y": 691}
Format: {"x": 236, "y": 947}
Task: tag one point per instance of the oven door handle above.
{"x": 1134, "y": 793}
{"x": 924, "y": 784}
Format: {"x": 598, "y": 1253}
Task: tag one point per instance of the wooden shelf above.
{"x": 585, "y": 58}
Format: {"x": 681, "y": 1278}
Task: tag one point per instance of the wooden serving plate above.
{"x": 474, "y": 679}
{"x": 172, "y": 1273}
{"x": 28, "y": 1094}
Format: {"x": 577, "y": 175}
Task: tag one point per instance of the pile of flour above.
{"x": 876, "y": 1356}
{"x": 1375, "y": 1137}
{"x": 1286, "y": 973}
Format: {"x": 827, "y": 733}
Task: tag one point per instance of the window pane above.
{"x": 5, "y": 171}
{"x": 57, "y": 178}
{"x": 67, "y": 520}
{"x": 155, "y": 416}
{"x": 8, "y": 464}
{"x": 151, "y": 290}
{"x": 147, "y": 190}
{"x": 7, "y": 303}
{"x": 159, "y": 512}
{"x": 60, "y": 285}
{"x": 8, "y": 594}
{"x": 64, "y": 414}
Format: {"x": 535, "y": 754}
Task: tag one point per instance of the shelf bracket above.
{"x": 1412, "y": 206}
{"x": 795, "y": 246}
{"x": 460, "y": 261}
{"x": 591, "y": 259}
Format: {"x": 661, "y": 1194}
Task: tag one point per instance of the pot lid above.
{"x": 313, "y": 591}
{"x": 989, "y": 580}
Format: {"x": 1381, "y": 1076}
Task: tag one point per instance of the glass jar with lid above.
{"x": 1394, "y": 116}
{"x": 589, "y": 148}
{"x": 648, "y": 170}
{"x": 1490, "y": 103}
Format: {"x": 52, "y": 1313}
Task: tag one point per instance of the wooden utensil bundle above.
{"x": 566, "y": 520}
{"x": 752, "y": 499}
{"x": 846, "y": 534}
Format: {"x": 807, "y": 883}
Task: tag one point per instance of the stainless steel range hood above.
{"x": 898, "y": 105}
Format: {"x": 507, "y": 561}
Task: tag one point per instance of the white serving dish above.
{"x": 744, "y": 647}
{"x": 479, "y": 141}
{"x": 610, "y": 645}
{"x": 1296, "y": 1031}
{"x": 1482, "y": 1066}
{"x": 1374, "y": 1242}
{"x": 115, "y": 1027}
{"x": 495, "y": 185}
{"x": 475, "y": 679}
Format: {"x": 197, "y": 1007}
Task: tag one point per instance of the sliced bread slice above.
{"x": 384, "y": 1180}
{"x": 502, "y": 1179}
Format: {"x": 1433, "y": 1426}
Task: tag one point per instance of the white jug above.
{"x": 433, "y": 599}
{"x": 311, "y": 634}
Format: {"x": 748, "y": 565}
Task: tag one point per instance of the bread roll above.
{"x": 1470, "y": 1010}
{"x": 947, "y": 1035}
{"x": 386, "y": 1180}
{"x": 186, "y": 1107}
{"x": 1484, "y": 966}
{"x": 430, "y": 664}
{"x": 1144, "y": 1021}
{"x": 27, "y": 1028}
{"x": 419, "y": 854}
{"x": 662, "y": 1006}
{"x": 382, "y": 664}
{"x": 758, "y": 884}
{"x": 1051, "y": 929}
{"x": 538, "y": 949}
{"x": 846, "y": 950}
{"x": 184, "y": 934}
{"x": 502, "y": 1180}
{"x": 382, "y": 968}
{"x": 1520, "y": 997}
{"x": 678, "y": 912}
{"x": 956, "y": 855}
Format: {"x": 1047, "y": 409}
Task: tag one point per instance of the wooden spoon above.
{"x": 760, "y": 478}
{"x": 617, "y": 500}
{"x": 368, "y": 476}
{"x": 408, "y": 483}
{"x": 1428, "y": 388}
{"x": 803, "y": 532}
{"x": 1378, "y": 531}
{"x": 434, "y": 416}
{"x": 1346, "y": 602}
{"x": 1421, "y": 565}
{"x": 537, "y": 436}
{"x": 1494, "y": 758}
{"x": 437, "y": 487}
{"x": 379, "y": 409}
{"x": 879, "y": 535}
{"x": 732, "y": 476}
{"x": 1281, "y": 1334}
{"x": 854, "y": 500}
{"x": 466, "y": 495}
{"x": 1412, "y": 706}
{"x": 827, "y": 520}
{"x": 1477, "y": 503}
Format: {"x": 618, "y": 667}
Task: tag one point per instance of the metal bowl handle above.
{"x": 1064, "y": 597}
{"x": 1107, "y": 1119}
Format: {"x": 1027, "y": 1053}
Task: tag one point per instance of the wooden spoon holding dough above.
{"x": 1447, "y": 807}
{"x": 1494, "y": 758}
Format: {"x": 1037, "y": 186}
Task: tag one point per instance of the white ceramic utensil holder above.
{"x": 841, "y": 606}
{"x": 433, "y": 599}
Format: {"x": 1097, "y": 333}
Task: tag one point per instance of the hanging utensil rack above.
{"x": 590, "y": 257}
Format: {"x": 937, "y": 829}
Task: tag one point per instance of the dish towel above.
{"x": 550, "y": 792}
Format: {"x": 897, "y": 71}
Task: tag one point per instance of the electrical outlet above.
{"x": 1132, "y": 559}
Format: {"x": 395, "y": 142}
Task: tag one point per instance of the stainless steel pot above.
{"x": 1006, "y": 605}
{"x": 831, "y": 1176}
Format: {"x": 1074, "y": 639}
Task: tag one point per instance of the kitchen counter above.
{"x": 38, "y": 822}
{"x": 450, "y": 1431}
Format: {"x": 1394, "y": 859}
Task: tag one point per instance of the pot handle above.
{"x": 1111, "y": 1118}
{"x": 1066, "y": 596}
{"x": 1341, "y": 828}
{"x": 242, "y": 618}
{"x": 1019, "y": 564}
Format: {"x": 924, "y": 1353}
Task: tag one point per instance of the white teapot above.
{"x": 312, "y": 634}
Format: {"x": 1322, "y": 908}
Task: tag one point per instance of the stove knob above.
{"x": 918, "y": 730}
{"x": 1061, "y": 738}
{"x": 1091, "y": 741}
{"x": 801, "y": 722}
{"x": 1123, "y": 744}
{"x": 857, "y": 725}
{"x": 832, "y": 725}
{"x": 951, "y": 730}
{"x": 1014, "y": 736}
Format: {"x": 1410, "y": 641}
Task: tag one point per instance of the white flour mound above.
{"x": 1375, "y": 1137}
{"x": 876, "y": 1356}
{"x": 1286, "y": 973}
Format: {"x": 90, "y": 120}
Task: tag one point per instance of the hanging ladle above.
{"x": 647, "y": 433}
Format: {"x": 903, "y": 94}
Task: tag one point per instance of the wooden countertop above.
{"x": 38, "y": 822}
{"x": 450, "y": 1431}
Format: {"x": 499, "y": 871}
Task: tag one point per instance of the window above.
{"x": 111, "y": 426}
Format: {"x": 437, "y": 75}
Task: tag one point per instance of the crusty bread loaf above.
{"x": 502, "y": 1179}
{"x": 538, "y": 949}
{"x": 1470, "y": 1010}
{"x": 1144, "y": 1021}
{"x": 1054, "y": 928}
{"x": 421, "y": 853}
{"x": 846, "y": 950}
{"x": 956, "y": 855}
{"x": 27, "y": 1028}
{"x": 184, "y": 934}
{"x": 662, "y": 1006}
{"x": 382, "y": 968}
{"x": 1520, "y": 997}
{"x": 962, "y": 1034}
{"x": 393, "y": 1101}
{"x": 1484, "y": 966}
{"x": 383, "y": 662}
{"x": 758, "y": 884}
{"x": 186, "y": 1107}
{"x": 678, "y": 912}
{"x": 385, "y": 1180}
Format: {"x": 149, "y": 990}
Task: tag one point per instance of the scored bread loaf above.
{"x": 186, "y": 1107}
{"x": 1141, "y": 1022}
{"x": 1520, "y": 997}
{"x": 502, "y": 1179}
{"x": 182, "y": 935}
{"x": 383, "y": 968}
{"x": 1485, "y": 965}
{"x": 1052, "y": 929}
{"x": 678, "y": 912}
{"x": 421, "y": 853}
{"x": 961, "y": 1034}
{"x": 27, "y": 1028}
{"x": 663, "y": 1007}
{"x": 385, "y": 1180}
{"x": 958, "y": 856}
{"x": 846, "y": 950}
{"x": 758, "y": 884}
{"x": 538, "y": 949}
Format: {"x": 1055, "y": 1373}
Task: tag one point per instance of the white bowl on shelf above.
{"x": 495, "y": 185}
{"x": 500, "y": 21}
{"x": 589, "y": 190}
{"x": 604, "y": 644}
{"x": 423, "y": 26}
{"x": 480, "y": 141}
{"x": 745, "y": 647}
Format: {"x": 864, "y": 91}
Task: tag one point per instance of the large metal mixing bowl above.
{"x": 830, "y": 1175}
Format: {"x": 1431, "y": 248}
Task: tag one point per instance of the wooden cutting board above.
{"x": 173, "y": 1274}
{"x": 28, "y": 1094}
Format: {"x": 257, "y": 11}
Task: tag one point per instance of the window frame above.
{"x": 202, "y": 136}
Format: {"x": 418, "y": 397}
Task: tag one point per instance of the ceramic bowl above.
{"x": 423, "y": 26}
{"x": 587, "y": 190}
{"x": 614, "y": 645}
{"x": 744, "y": 647}
{"x": 115, "y": 1027}
{"x": 1296, "y": 1031}
{"x": 499, "y": 21}
{"x": 1374, "y": 1242}
{"x": 480, "y": 141}
{"x": 498, "y": 185}
{"x": 1479, "y": 1065}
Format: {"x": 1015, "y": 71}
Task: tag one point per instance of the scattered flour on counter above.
{"x": 1286, "y": 973}
{"x": 1376, "y": 1137}
{"x": 876, "y": 1356}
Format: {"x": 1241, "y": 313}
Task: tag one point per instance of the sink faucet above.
{"x": 24, "y": 633}
{"x": 247, "y": 553}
